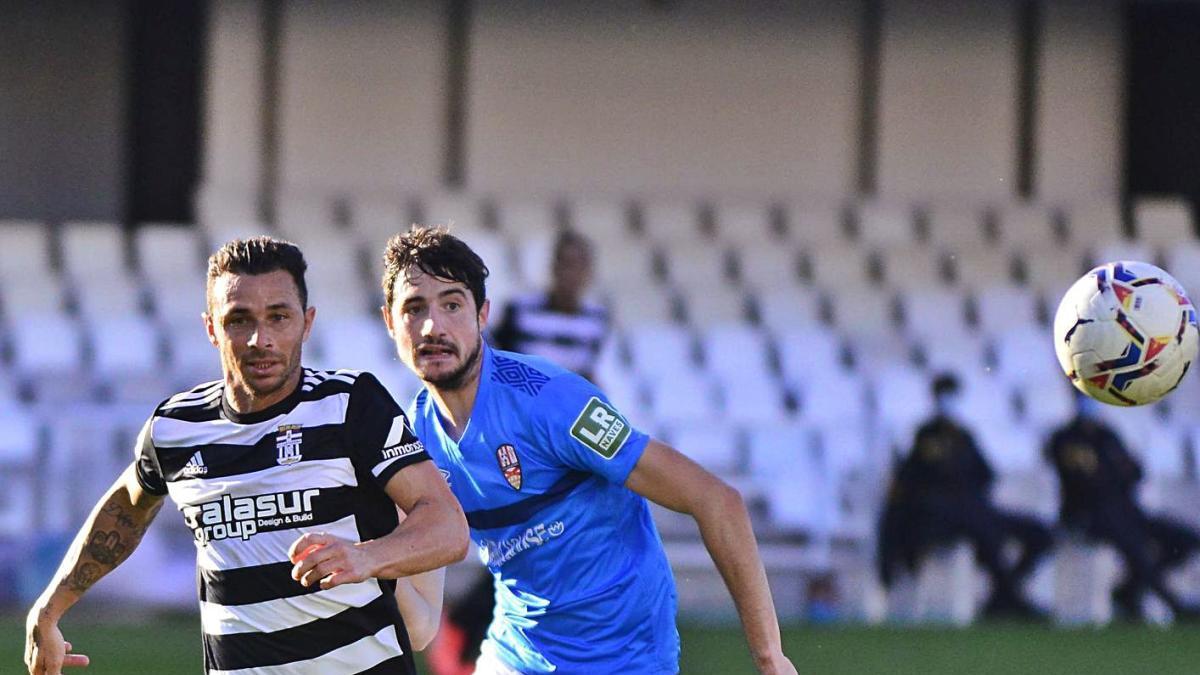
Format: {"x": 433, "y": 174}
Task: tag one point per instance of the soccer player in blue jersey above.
{"x": 555, "y": 484}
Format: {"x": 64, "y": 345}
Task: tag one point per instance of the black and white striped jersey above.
{"x": 249, "y": 485}
{"x": 530, "y": 326}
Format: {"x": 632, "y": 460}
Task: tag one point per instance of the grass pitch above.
{"x": 170, "y": 645}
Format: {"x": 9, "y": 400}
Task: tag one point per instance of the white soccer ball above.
{"x": 1125, "y": 333}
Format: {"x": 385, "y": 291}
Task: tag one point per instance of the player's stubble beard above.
{"x": 290, "y": 367}
{"x": 458, "y": 378}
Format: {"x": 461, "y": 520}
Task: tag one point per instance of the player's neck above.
{"x": 242, "y": 400}
{"x": 455, "y": 405}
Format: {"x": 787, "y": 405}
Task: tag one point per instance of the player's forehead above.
{"x": 232, "y": 291}
{"x": 416, "y": 284}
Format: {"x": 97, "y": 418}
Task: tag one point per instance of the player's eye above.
{"x": 453, "y": 306}
{"x": 279, "y": 317}
{"x": 236, "y": 321}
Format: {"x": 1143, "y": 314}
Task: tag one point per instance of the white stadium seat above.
{"x": 522, "y": 217}
{"x": 956, "y": 227}
{"x": 124, "y": 346}
{"x": 1109, "y": 250}
{"x": 375, "y": 218}
{"x": 671, "y": 222}
{"x": 767, "y": 265}
{"x": 703, "y": 263}
{"x": 116, "y": 296}
{"x": 817, "y": 224}
{"x": 1026, "y": 225}
{"x": 808, "y": 351}
{"x": 744, "y": 221}
{"x": 602, "y": 220}
{"x": 713, "y": 304}
{"x": 641, "y": 304}
{"x": 1025, "y": 354}
{"x": 686, "y": 398}
{"x": 831, "y": 397}
{"x": 167, "y": 252}
{"x": 1003, "y": 306}
{"x": 24, "y": 250}
{"x": 535, "y": 256}
{"x": 933, "y": 313}
{"x": 93, "y": 251}
{"x": 1096, "y": 220}
{"x": 885, "y": 224}
{"x": 752, "y": 400}
{"x": 47, "y": 344}
{"x": 1165, "y": 222}
{"x": 458, "y": 209}
{"x": 914, "y": 267}
{"x": 305, "y": 214}
{"x": 660, "y": 351}
{"x": 714, "y": 445}
{"x": 842, "y": 267}
{"x": 974, "y": 270}
{"x": 735, "y": 349}
{"x": 784, "y": 308}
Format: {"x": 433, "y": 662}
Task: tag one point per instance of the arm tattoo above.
{"x": 83, "y": 577}
{"x": 115, "y": 531}
{"x": 106, "y": 547}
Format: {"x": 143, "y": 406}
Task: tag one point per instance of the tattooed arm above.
{"x": 110, "y": 534}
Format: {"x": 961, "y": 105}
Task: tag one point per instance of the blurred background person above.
{"x": 559, "y": 323}
{"x": 941, "y": 493}
{"x": 1098, "y": 479}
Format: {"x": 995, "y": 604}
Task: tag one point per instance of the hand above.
{"x": 46, "y": 652}
{"x": 329, "y": 560}
{"x": 776, "y": 664}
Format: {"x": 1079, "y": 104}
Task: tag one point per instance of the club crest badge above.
{"x": 287, "y": 442}
{"x": 510, "y": 465}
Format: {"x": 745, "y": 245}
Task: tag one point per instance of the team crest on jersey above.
{"x": 287, "y": 442}
{"x": 510, "y": 465}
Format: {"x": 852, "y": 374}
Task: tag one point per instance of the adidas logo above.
{"x": 195, "y": 466}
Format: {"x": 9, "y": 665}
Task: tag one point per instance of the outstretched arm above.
{"x": 668, "y": 478}
{"x": 112, "y": 531}
{"x": 433, "y": 535}
{"x": 420, "y": 599}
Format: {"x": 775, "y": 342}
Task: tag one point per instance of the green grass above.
{"x": 171, "y": 644}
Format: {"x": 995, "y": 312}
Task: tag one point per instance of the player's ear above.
{"x": 387, "y": 321}
{"x": 310, "y": 315}
{"x": 483, "y": 313}
{"x": 210, "y": 328}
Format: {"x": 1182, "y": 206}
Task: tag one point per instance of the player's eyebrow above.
{"x": 452, "y": 291}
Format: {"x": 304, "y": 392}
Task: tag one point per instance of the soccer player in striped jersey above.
{"x": 555, "y": 484}
{"x": 290, "y": 480}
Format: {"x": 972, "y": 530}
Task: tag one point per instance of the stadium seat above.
{"x": 124, "y": 346}
{"x": 193, "y": 359}
{"x": 751, "y": 400}
{"x": 116, "y": 296}
{"x": 715, "y": 446}
{"x": 624, "y": 262}
{"x": 18, "y": 437}
{"x": 1182, "y": 261}
{"x": 37, "y": 293}
{"x": 375, "y": 218}
{"x": 975, "y": 270}
{"x": 1084, "y": 575}
{"x": 660, "y": 351}
{"x": 181, "y": 302}
{"x": 355, "y": 343}
{"x": 602, "y": 220}
{"x": 641, "y": 304}
{"x": 93, "y": 251}
{"x": 902, "y": 401}
{"x": 962, "y": 353}
{"x": 784, "y": 308}
{"x": 842, "y": 267}
{"x": 24, "y": 250}
{"x": 956, "y": 227}
{"x": 1097, "y": 220}
{"x": 672, "y": 222}
{"x": 336, "y": 284}
{"x": 914, "y": 267}
{"x": 745, "y": 222}
{"x": 1004, "y": 306}
{"x": 713, "y": 304}
{"x": 808, "y": 351}
{"x": 47, "y": 345}
{"x": 1051, "y": 270}
{"x": 932, "y": 314}
{"x": 459, "y": 209}
{"x": 817, "y": 225}
{"x": 702, "y": 263}
{"x": 218, "y": 233}
{"x": 859, "y": 312}
{"x": 1163, "y": 222}
{"x": 685, "y": 398}
{"x": 885, "y": 225}
{"x": 801, "y": 493}
{"x": 766, "y": 265}
{"x": 735, "y": 349}
{"x": 1047, "y": 403}
{"x": 534, "y": 257}
{"x": 1027, "y": 225}
{"x": 1120, "y": 249}
{"x": 830, "y": 397}
{"x": 846, "y": 447}
{"x": 304, "y": 214}
{"x": 166, "y": 252}
{"x": 1025, "y": 354}
{"x": 217, "y": 204}
{"x": 1009, "y": 448}
{"x": 520, "y": 218}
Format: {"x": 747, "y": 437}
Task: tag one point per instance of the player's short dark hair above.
{"x": 259, "y": 255}
{"x": 945, "y": 383}
{"x": 436, "y": 252}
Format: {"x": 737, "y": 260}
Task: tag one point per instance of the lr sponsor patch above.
{"x": 510, "y": 465}
{"x": 601, "y": 428}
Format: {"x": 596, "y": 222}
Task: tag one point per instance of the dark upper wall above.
{"x": 62, "y": 115}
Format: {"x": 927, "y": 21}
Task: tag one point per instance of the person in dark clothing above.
{"x": 1098, "y": 478}
{"x": 940, "y": 493}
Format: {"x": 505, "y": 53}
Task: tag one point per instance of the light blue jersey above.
{"x": 582, "y": 582}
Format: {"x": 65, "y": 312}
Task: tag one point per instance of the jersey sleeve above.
{"x": 146, "y": 467}
{"x": 585, "y": 431}
{"x": 381, "y": 439}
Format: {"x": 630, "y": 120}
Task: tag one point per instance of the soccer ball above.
{"x": 1125, "y": 333}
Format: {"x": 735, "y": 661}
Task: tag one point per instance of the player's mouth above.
{"x": 262, "y": 367}
{"x": 436, "y": 353}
